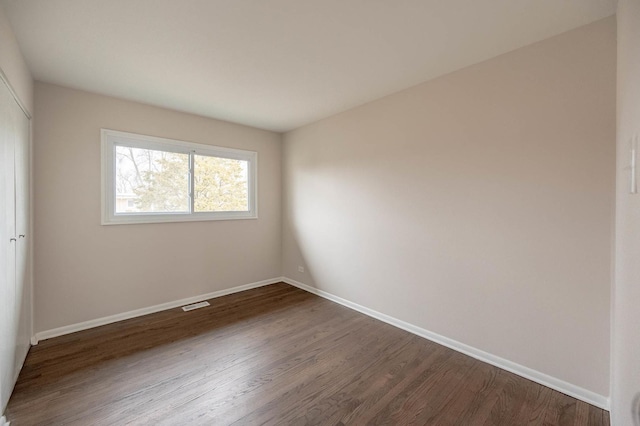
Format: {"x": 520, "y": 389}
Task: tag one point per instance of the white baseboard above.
{"x": 68, "y": 329}
{"x": 526, "y": 372}
{"x": 3, "y": 421}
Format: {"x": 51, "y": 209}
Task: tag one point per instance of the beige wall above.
{"x": 13, "y": 65}
{"x": 625, "y": 389}
{"x": 478, "y": 205}
{"x": 85, "y": 271}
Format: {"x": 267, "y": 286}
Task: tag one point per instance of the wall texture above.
{"x": 86, "y": 271}
{"x": 625, "y": 389}
{"x": 478, "y": 205}
{"x": 13, "y": 65}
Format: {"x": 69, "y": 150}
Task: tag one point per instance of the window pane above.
{"x": 220, "y": 184}
{"x": 150, "y": 181}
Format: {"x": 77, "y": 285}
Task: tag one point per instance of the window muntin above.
{"x": 148, "y": 179}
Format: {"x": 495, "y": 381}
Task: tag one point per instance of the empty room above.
{"x": 290, "y": 212}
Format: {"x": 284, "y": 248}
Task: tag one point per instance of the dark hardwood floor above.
{"x": 275, "y": 355}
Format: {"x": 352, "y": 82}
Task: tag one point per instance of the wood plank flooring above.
{"x": 275, "y": 355}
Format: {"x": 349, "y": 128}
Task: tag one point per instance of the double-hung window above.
{"x": 146, "y": 179}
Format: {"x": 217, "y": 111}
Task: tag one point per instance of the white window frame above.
{"x": 112, "y": 138}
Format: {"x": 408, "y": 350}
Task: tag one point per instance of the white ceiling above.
{"x": 274, "y": 64}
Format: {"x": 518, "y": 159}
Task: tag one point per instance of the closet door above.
{"x": 22, "y": 279}
{"x": 8, "y": 242}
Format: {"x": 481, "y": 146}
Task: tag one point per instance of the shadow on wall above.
{"x": 635, "y": 410}
{"x": 298, "y": 256}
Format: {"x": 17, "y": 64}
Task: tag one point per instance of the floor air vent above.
{"x": 195, "y": 306}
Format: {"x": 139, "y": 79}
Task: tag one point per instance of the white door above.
{"x": 15, "y": 288}
{"x": 8, "y": 325}
{"x": 23, "y": 288}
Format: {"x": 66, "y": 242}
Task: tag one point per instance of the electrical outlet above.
{"x": 300, "y": 268}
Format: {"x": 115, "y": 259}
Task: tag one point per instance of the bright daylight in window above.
{"x": 148, "y": 179}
